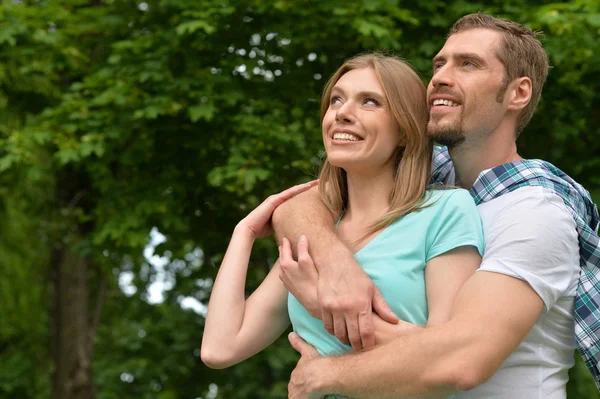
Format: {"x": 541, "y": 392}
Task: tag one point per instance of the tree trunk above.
{"x": 71, "y": 340}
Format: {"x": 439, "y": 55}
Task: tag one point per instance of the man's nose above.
{"x": 443, "y": 77}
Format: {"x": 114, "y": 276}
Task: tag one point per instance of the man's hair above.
{"x": 521, "y": 52}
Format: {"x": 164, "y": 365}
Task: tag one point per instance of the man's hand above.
{"x": 300, "y": 278}
{"x": 386, "y": 332}
{"x": 348, "y": 297}
{"x": 302, "y": 378}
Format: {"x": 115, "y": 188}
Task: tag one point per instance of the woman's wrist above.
{"x": 242, "y": 230}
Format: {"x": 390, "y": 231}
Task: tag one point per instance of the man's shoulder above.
{"x": 528, "y": 205}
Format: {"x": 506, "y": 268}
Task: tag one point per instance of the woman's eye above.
{"x": 371, "y": 101}
{"x": 335, "y": 100}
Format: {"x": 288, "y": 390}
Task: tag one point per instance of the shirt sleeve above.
{"x": 534, "y": 239}
{"x": 456, "y": 224}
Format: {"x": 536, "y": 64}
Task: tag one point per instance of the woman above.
{"x": 418, "y": 246}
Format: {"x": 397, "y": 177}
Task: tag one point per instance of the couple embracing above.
{"x": 481, "y": 267}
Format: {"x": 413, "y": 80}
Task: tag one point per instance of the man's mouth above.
{"x": 447, "y": 103}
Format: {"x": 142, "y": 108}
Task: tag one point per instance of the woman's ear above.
{"x": 401, "y": 140}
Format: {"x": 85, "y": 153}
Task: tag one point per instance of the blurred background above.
{"x": 135, "y": 135}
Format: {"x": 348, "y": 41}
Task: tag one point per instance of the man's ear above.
{"x": 519, "y": 93}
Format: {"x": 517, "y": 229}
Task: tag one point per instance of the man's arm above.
{"x": 346, "y": 294}
{"x": 492, "y": 315}
{"x": 530, "y": 260}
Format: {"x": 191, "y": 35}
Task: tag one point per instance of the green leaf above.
{"x": 192, "y": 26}
{"x": 202, "y": 111}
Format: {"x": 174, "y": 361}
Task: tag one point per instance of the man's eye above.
{"x": 468, "y": 63}
{"x": 437, "y": 66}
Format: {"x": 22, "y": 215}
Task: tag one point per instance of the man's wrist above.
{"x": 323, "y": 376}
{"x": 331, "y": 261}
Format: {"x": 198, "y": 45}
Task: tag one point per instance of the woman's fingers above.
{"x": 258, "y": 221}
{"x": 303, "y": 254}
{"x": 280, "y": 198}
{"x": 286, "y": 252}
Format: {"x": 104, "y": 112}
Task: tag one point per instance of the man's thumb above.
{"x": 300, "y": 345}
{"x": 382, "y": 309}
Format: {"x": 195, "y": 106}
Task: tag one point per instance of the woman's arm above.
{"x": 237, "y": 328}
{"x": 444, "y": 277}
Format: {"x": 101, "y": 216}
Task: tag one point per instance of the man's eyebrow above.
{"x": 470, "y": 56}
{"x": 438, "y": 58}
{"x": 460, "y": 56}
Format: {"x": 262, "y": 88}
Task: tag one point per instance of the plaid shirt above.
{"x": 503, "y": 179}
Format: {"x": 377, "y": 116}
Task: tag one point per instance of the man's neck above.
{"x": 470, "y": 159}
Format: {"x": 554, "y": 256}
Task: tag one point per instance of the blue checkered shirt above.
{"x": 503, "y": 179}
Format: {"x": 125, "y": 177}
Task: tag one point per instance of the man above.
{"x": 511, "y": 330}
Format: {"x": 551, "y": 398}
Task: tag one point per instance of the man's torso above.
{"x": 538, "y": 368}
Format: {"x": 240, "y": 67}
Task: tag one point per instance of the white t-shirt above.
{"x": 530, "y": 235}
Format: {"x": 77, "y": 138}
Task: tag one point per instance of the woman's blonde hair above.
{"x": 406, "y": 96}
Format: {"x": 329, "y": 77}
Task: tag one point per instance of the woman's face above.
{"x": 359, "y": 133}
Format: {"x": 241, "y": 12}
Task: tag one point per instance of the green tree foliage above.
{"x": 117, "y": 117}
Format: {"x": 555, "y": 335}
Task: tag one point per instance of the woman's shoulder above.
{"x": 452, "y": 196}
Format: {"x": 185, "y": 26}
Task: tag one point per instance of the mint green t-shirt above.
{"x": 395, "y": 260}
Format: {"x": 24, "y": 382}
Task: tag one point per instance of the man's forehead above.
{"x": 483, "y": 42}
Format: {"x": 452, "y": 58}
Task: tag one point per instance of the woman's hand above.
{"x": 300, "y": 278}
{"x": 258, "y": 222}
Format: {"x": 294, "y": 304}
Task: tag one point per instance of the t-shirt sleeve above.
{"x": 534, "y": 239}
{"x": 457, "y": 224}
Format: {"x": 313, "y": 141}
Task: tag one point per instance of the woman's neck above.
{"x": 368, "y": 196}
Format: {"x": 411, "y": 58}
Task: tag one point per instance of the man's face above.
{"x": 463, "y": 92}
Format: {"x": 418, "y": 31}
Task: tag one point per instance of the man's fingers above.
{"x": 301, "y": 346}
{"x": 327, "y": 319}
{"x": 382, "y": 309}
{"x": 367, "y": 330}
{"x": 354, "y": 333}
{"x": 339, "y": 328}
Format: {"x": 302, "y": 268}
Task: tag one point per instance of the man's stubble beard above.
{"x": 454, "y": 135}
{"x": 450, "y": 136}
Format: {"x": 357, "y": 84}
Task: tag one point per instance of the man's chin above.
{"x": 448, "y": 137}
